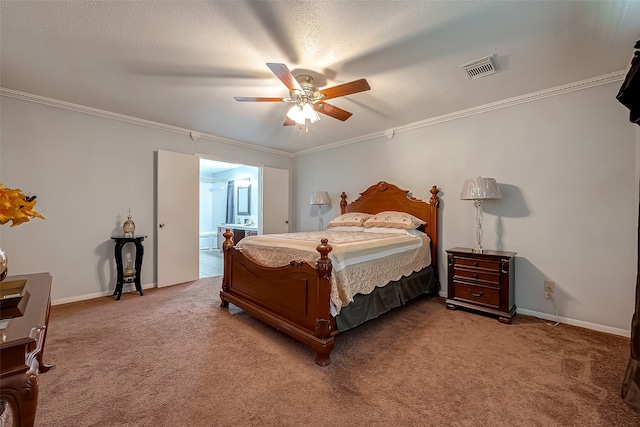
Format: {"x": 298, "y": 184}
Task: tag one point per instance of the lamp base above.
{"x": 478, "y": 250}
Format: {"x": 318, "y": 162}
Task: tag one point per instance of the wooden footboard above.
{"x": 294, "y": 299}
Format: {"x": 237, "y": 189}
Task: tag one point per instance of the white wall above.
{"x": 86, "y": 171}
{"x": 566, "y": 166}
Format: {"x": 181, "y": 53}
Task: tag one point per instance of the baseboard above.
{"x": 128, "y": 287}
{"x": 574, "y": 322}
{"x": 568, "y": 321}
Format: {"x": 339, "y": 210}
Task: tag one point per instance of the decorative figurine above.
{"x": 129, "y": 272}
{"x": 129, "y": 227}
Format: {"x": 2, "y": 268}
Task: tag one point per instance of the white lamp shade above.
{"x": 296, "y": 114}
{"x": 480, "y": 189}
{"x": 320, "y": 198}
{"x": 310, "y": 113}
{"x": 301, "y": 113}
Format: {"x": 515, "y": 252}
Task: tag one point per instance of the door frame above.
{"x": 260, "y": 166}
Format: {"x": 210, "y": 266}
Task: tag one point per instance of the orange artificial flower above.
{"x": 16, "y": 207}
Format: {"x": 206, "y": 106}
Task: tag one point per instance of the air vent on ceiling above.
{"x": 480, "y": 67}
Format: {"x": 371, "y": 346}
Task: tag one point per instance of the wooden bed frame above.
{"x": 295, "y": 298}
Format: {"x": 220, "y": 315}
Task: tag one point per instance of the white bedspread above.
{"x": 361, "y": 261}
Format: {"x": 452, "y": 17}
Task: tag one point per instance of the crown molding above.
{"x": 510, "y": 102}
{"x": 506, "y": 103}
{"x": 9, "y": 93}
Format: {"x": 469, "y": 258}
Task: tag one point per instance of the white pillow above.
{"x": 351, "y": 218}
{"x": 393, "y": 219}
{"x": 388, "y": 230}
{"x": 346, "y": 228}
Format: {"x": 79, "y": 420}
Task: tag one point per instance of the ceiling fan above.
{"x": 308, "y": 99}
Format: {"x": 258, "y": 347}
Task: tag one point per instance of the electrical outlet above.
{"x": 548, "y": 286}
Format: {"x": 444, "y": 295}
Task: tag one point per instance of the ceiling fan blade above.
{"x": 288, "y": 122}
{"x": 282, "y": 72}
{"x": 253, "y": 99}
{"x": 332, "y": 110}
{"x": 346, "y": 89}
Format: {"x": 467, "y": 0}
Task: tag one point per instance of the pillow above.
{"x": 410, "y": 232}
{"x": 351, "y": 218}
{"x": 347, "y": 228}
{"x": 387, "y": 230}
{"x": 392, "y": 219}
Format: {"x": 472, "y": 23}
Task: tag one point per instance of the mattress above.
{"x": 361, "y": 261}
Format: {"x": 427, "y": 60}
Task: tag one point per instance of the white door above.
{"x": 275, "y": 201}
{"x": 177, "y": 213}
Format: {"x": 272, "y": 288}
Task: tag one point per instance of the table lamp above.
{"x": 480, "y": 189}
{"x": 320, "y": 198}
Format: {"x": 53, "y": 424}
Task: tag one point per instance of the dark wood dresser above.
{"x": 482, "y": 281}
{"x": 21, "y": 349}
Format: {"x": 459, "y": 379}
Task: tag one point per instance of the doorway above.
{"x": 229, "y": 194}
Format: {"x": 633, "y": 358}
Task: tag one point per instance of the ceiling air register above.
{"x": 480, "y": 67}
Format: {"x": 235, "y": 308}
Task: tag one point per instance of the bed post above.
{"x": 343, "y": 202}
{"x": 325, "y": 324}
{"x": 435, "y": 202}
{"x": 227, "y": 247}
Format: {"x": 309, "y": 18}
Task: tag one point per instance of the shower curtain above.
{"x": 231, "y": 207}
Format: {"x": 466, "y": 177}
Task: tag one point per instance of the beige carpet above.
{"x": 175, "y": 358}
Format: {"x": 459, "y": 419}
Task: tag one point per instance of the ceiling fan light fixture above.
{"x": 301, "y": 113}
{"x": 310, "y": 113}
{"x": 295, "y": 114}
{"x": 308, "y": 100}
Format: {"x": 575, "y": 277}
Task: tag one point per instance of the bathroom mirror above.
{"x": 244, "y": 200}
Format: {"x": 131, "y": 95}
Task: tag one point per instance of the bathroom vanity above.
{"x": 239, "y": 231}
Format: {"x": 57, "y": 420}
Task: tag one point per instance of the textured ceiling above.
{"x": 181, "y": 63}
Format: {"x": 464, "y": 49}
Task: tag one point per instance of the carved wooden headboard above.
{"x": 388, "y": 197}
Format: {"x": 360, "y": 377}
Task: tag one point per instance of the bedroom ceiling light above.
{"x": 480, "y": 189}
{"x": 320, "y": 198}
{"x": 308, "y": 99}
{"x": 303, "y": 113}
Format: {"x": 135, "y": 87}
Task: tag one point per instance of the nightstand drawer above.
{"x": 477, "y": 263}
{"x": 477, "y": 294}
{"x": 492, "y": 279}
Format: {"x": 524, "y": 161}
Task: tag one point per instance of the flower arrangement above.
{"x": 17, "y": 207}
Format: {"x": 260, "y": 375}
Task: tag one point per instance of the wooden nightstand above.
{"x": 482, "y": 281}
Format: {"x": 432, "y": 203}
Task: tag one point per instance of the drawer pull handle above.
{"x": 479, "y": 294}
{"x": 475, "y": 263}
{"x": 475, "y": 276}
